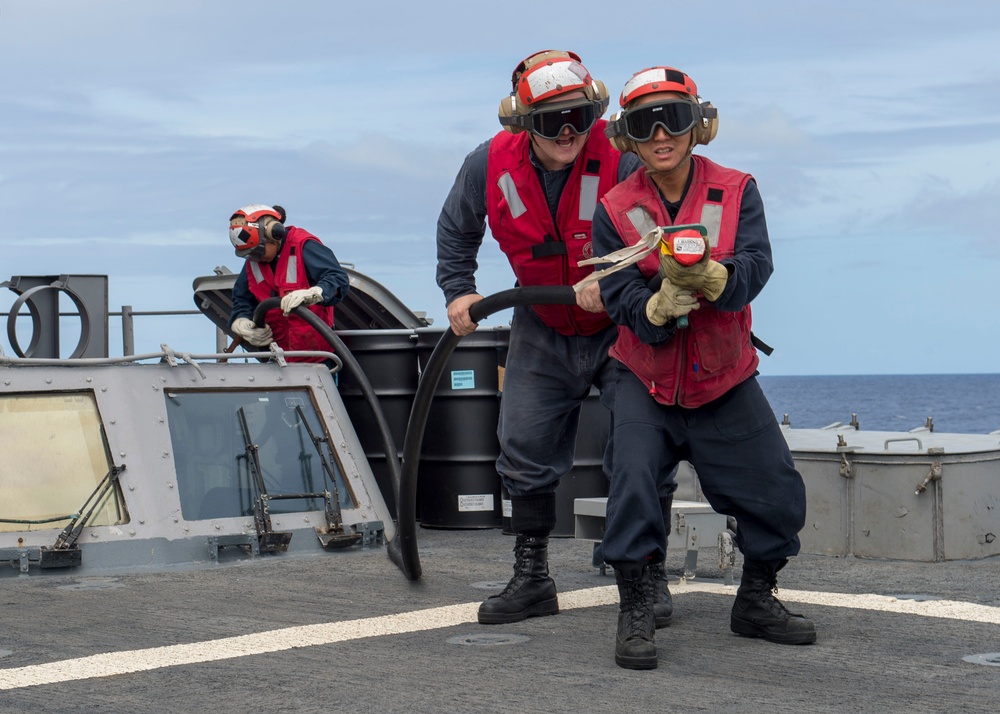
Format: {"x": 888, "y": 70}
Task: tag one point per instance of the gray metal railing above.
{"x": 128, "y": 315}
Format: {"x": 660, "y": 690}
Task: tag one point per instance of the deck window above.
{"x": 215, "y": 474}
{"x": 53, "y": 459}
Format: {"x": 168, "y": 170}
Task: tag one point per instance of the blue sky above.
{"x": 131, "y": 131}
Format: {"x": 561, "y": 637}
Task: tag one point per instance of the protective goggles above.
{"x": 549, "y": 124}
{"x": 676, "y": 118}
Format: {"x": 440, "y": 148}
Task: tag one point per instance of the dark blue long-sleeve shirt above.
{"x": 626, "y": 292}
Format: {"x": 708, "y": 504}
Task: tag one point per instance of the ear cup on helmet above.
{"x": 508, "y": 108}
{"x": 615, "y": 131}
{"x": 708, "y": 127}
{"x": 272, "y": 230}
{"x": 599, "y": 93}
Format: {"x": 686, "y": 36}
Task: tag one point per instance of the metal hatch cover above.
{"x": 367, "y": 306}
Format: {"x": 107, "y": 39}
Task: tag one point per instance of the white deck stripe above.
{"x": 112, "y": 663}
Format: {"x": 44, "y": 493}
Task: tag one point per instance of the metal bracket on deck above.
{"x": 371, "y": 532}
{"x": 44, "y": 557}
{"x": 246, "y": 541}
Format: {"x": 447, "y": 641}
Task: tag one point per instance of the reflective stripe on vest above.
{"x": 641, "y": 220}
{"x": 589, "y": 186}
{"x": 509, "y": 189}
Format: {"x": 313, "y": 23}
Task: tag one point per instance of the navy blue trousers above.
{"x": 738, "y": 451}
{"x": 546, "y": 379}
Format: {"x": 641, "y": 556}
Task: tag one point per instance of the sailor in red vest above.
{"x": 689, "y": 391}
{"x": 536, "y": 184}
{"x": 285, "y": 262}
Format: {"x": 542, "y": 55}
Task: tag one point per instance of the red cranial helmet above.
{"x": 700, "y": 118}
{"x": 252, "y": 227}
{"x": 546, "y": 77}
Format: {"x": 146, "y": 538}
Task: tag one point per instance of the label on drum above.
{"x": 463, "y": 379}
{"x": 475, "y": 502}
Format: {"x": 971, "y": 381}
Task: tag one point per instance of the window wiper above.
{"x": 269, "y": 540}
{"x": 333, "y": 535}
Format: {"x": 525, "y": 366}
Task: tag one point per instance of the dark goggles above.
{"x": 549, "y": 124}
{"x": 676, "y": 118}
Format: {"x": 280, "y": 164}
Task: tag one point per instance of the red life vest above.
{"x": 542, "y": 252}
{"x": 288, "y": 274}
{"x": 714, "y": 353}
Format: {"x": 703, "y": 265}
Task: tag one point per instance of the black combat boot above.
{"x": 531, "y": 592}
{"x": 635, "y": 647}
{"x": 757, "y": 613}
{"x": 663, "y": 607}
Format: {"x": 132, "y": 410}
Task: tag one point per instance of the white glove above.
{"x": 257, "y": 336}
{"x": 292, "y": 300}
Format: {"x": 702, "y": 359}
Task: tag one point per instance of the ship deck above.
{"x": 345, "y": 631}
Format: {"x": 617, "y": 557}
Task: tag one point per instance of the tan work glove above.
{"x": 292, "y": 300}
{"x": 669, "y": 303}
{"x": 707, "y": 276}
{"x": 247, "y": 330}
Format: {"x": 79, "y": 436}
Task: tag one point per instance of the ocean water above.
{"x": 957, "y": 403}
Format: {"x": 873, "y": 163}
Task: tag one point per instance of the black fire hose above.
{"x": 406, "y": 495}
{"x": 367, "y": 391}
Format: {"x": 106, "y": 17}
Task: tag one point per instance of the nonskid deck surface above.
{"x": 346, "y": 631}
